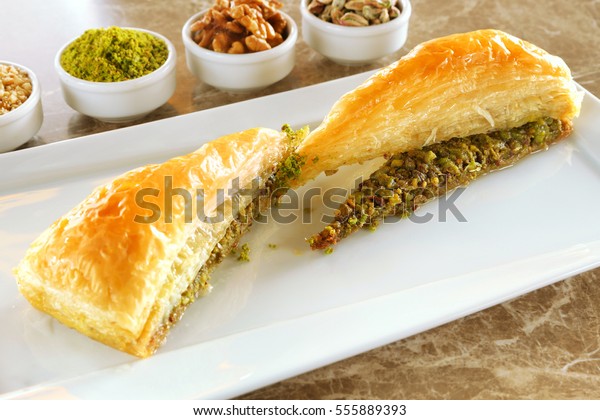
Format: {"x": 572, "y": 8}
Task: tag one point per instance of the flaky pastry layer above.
{"x": 116, "y": 278}
{"x": 455, "y": 86}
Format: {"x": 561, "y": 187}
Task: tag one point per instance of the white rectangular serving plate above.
{"x": 291, "y": 310}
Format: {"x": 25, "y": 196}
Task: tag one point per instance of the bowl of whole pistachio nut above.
{"x": 240, "y": 45}
{"x": 355, "y": 32}
{"x": 117, "y": 74}
{"x": 21, "y": 113}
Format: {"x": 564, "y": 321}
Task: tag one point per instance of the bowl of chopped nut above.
{"x": 117, "y": 74}
{"x": 240, "y": 46}
{"x": 21, "y": 113}
{"x": 355, "y": 32}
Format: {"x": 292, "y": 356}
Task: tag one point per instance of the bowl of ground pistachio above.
{"x": 21, "y": 114}
{"x": 355, "y": 32}
{"x": 117, "y": 74}
{"x": 241, "y": 45}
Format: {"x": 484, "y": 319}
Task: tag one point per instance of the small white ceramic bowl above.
{"x": 120, "y": 101}
{"x": 22, "y": 123}
{"x": 240, "y": 72}
{"x": 351, "y": 45}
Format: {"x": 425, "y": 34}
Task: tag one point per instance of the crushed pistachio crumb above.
{"x": 329, "y": 251}
{"x": 272, "y": 246}
{"x": 295, "y": 137}
{"x": 290, "y": 168}
{"x": 113, "y": 55}
{"x": 244, "y": 253}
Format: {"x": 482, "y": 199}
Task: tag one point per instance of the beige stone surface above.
{"x": 543, "y": 345}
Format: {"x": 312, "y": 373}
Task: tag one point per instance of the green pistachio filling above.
{"x": 409, "y": 179}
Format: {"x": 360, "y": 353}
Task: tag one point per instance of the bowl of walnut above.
{"x": 21, "y": 113}
{"x": 241, "y": 45}
{"x": 355, "y": 32}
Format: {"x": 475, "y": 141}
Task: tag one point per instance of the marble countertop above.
{"x": 543, "y": 345}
